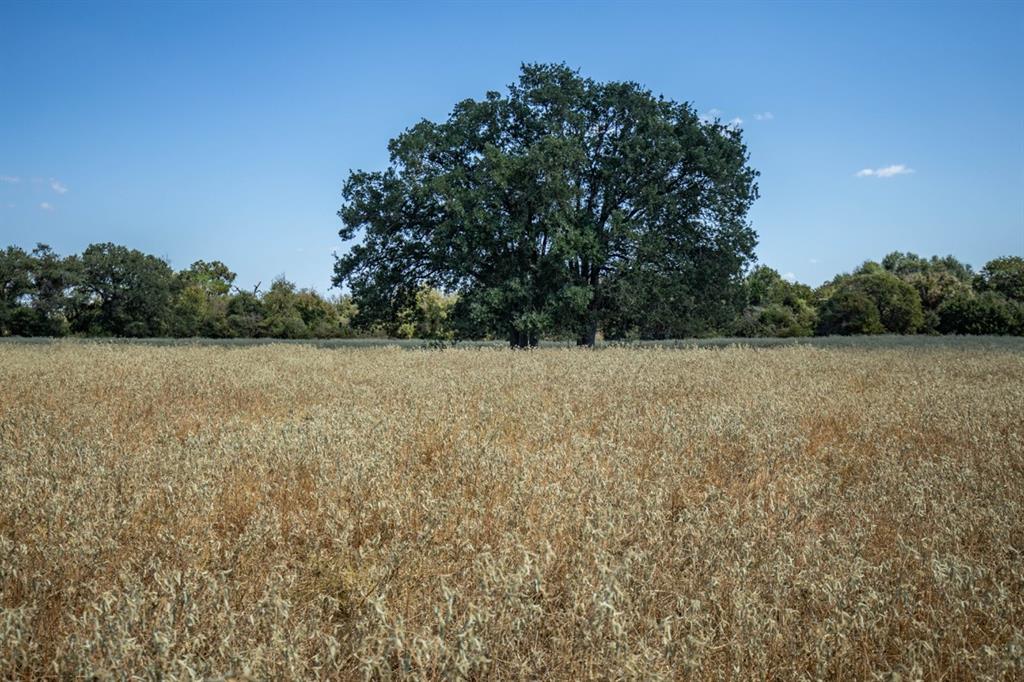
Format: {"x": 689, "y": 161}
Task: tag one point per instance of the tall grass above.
{"x": 296, "y": 512}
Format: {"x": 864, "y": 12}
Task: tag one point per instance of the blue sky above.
{"x": 225, "y": 131}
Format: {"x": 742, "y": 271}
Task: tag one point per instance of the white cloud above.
{"x": 814, "y": 261}
{"x": 45, "y": 206}
{"x": 710, "y": 115}
{"x": 714, "y": 115}
{"x": 887, "y": 172}
{"x": 57, "y": 186}
{"x": 789, "y": 277}
{"x": 9, "y": 179}
{"x": 764, "y": 116}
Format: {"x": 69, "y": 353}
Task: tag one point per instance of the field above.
{"x": 283, "y": 511}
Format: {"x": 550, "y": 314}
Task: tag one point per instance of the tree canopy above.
{"x": 564, "y": 205}
{"x": 111, "y": 290}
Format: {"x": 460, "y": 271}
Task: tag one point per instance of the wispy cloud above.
{"x": 46, "y": 206}
{"x": 789, "y": 277}
{"x": 814, "y": 261}
{"x": 10, "y": 179}
{"x": 764, "y": 116}
{"x": 57, "y": 186}
{"x": 713, "y": 115}
{"x": 887, "y": 172}
{"x": 710, "y": 115}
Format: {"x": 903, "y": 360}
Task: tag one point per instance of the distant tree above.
{"x": 1004, "y": 275}
{"x": 201, "y": 297}
{"x": 282, "y": 317}
{"x": 869, "y": 267}
{"x": 245, "y": 315}
{"x": 347, "y": 311}
{"x": 558, "y": 208}
{"x": 322, "y": 317}
{"x": 775, "y": 307}
{"x": 190, "y": 312}
{"x": 123, "y": 292}
{"x": 15, "y": 286}
{"x": 908, "y": 264}
{"x": 988, "y": 312}
{"x": 849, "y": 311}
{"x": 53, "y": 282}
{"x": 213, "y": 278}
{"x": 428, "y": 317}
{"x": 936, "y": 280}
{"x": 899, "y": 306}
{"x": 896, "y": 304}
{"x": 773, "y": 320}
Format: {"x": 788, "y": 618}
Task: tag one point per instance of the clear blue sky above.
{"x": 224, "y": 131}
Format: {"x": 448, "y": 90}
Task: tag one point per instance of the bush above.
{"x": 1005, "y": 276}
{"x": 850, "y": 311}
{"x": 872, "y": 302}
{"x": 776, "y": 320}
{"x": 985, "y": 313}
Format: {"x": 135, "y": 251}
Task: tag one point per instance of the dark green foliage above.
{"x": 54, "y": 280}
{"x": 1003, "y": 275}
{"x": 35, "y": 291}
{"x": 775, "y": 307}
{"x": 849, "y": 311}
{"x": 123, "y": 292}
{"x": 245, "y": 315}
{"x": 111, "y": 290}
{"x": 988, "y": 312}
{"x": 282, "y": 319}
{"x": 935, "y": 280}
{"x": 559, "y": 208}
{"x": 114, "y": 291}
{"x": 201, "y": 299}
{"x": 872, "y": 301}
{"x": 899, "y": 307}
{"x": 15, "y": 285}
{"x": 428, "y": 318}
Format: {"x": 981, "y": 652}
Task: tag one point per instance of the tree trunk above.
{"x": 518, "y": 339}
{"x": 589, "y": 336}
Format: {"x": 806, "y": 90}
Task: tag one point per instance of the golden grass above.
{"x": 289, "y": 512}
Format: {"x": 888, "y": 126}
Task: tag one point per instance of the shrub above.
{"x": 985, "y": 313}
{"x": 850, "y": 311}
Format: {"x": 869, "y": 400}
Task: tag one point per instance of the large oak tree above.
{"x": 562, "y": 206}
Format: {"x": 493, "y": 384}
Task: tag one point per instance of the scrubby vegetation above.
{"x": 904, "y": 294}
{"x": 292, "y": 512}
{"x": 111, "y": 290}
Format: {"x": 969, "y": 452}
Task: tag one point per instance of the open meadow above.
{"x": 281, "y": 511}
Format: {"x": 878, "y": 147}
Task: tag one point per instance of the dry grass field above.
{"x": 294, "y": 512}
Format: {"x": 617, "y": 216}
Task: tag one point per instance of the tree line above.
{"x": 112, "y": 290}
{"x": 903, "y": 294}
